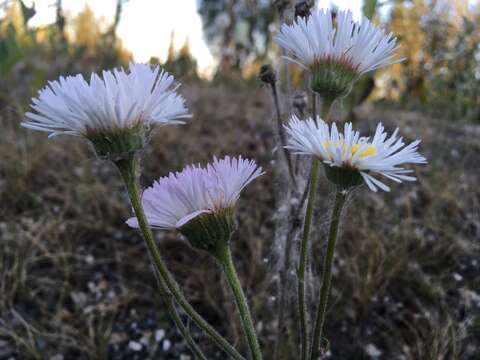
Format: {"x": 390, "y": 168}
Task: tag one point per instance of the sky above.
{"x": 146, "y": 25}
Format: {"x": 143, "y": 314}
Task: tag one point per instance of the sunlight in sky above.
{"x": 146, "y": 25}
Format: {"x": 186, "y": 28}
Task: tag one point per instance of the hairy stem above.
{"x": 172, "y": 310}
{"x": 302, "y": 303}
{"x": 312, "y": 192}
{"x": 224, "y": 257}
{"x": 340, "y": 198}
{"x": 127, "y": 168}
{"x": 281, "y": 135}
{"x": 326, "y": 109}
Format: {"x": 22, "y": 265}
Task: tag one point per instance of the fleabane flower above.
{"x": 350, "y": 159}
{"x": 115, "y": 111}
{"x": 336, "y": 49}
{"x": 199, "y": 201}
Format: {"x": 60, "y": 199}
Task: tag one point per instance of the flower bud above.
{"x": 267, "y": 74}
{"x": 303, "y": 9}
{"x": 332, "y": 79}
{"x": 119, "y": 144}
{"x": 343, "y": 177}
{"x": 209, "y": 231}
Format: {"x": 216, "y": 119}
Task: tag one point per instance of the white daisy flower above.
{"x": 337, "y": 50}
{"x": 185, "y": 200}
{"x": 350, "y": 159}
{"x": 105, "y": 109}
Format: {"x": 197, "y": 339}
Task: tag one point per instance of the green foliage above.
{"x": 455, "y": 78}
{"x": 442, "y": 51}
{"x": 180, "y": 63}
{"x": 10, "y": 51}
{"x": 242, "y": 27}
{"x": 15, "y": 39}
{"x": 369, "y": 8}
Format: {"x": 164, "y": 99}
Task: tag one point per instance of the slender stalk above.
{"x": 326, "y": 109}
{"x": 314, "y": 107}
{"x": 172, "y": 310}
{"x": 286, "y": 63}
{"x": 168, "y": 283}
{"x": 224, "y": 256}
{"x": 281, "y": 134}
{"x": 312, "y": 192}
{"x": 282, "y": 331}
{"x": 340, "y": 198}
{"x": 302, "y": 304}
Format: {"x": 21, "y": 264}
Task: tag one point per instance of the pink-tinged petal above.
{"x": 132, "y": 222}
{"x": 190, "y": 216}
{"x": 119, "y": 100}
{"x": 179, "y": 197}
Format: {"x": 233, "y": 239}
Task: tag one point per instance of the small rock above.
{"x": 372, "y": 351}
{"x": 159, "y": 335}
{"x": 134, "y": 346}
{"x": 167, "y": 344}
{"x": 457, "y": 277}
{"x": 79, "y": 298}
{"x": 89, "y": 259}
{"x": 145, "y": 340}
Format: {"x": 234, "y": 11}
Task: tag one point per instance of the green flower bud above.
{"x": 119, "y": 144}
{"x": 210, "y": 231}
{"x": 332, "y": 79}
{"x": 343, "y": 177}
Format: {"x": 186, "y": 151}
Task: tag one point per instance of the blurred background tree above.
{"x": 441, "y": 45}
{"x": 439, "y": 40}
{"x": 239, "y": 32}
{"x": 181, "y": 62}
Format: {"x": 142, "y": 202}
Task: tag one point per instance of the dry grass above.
{"x": 75, "y": 280}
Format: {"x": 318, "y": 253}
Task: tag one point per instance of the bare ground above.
{"x": 75, "y": 282}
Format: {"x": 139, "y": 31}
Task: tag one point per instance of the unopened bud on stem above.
{"x": 303, "y": 9}
{"x": 267, "y": 74}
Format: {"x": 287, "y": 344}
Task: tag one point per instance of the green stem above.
{"x": 224, "y": 256}
{"x": 312, "y": 193}
{"x": 302, "y": 304}
{"x": 340, "y": 198}
{"x": 282, "y": 138}
{"x": 326, "y": 108}
{"x": 127, "y": 168}
{"x": 184, "y": 330}
{"x": 314, "y": 107}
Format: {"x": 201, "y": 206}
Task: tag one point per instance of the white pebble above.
{"x": 166, "y": 345}
{"x": 135, "y": 346}
{"x": 457, "y": 277}
{"x": 159, "y": 335}
{"x": 372, "y": 351}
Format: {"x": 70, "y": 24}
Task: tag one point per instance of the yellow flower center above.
{"x": 370, "y": 150}
{"x": 366, "y": 150}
